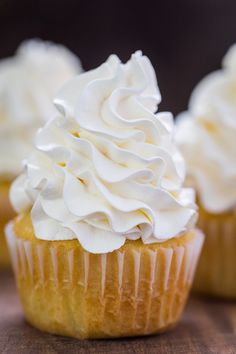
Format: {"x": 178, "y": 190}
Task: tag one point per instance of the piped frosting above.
{"x": 206, "y": 135}
{"x": 28, "y": 83}
{"x": 106, "y": 169}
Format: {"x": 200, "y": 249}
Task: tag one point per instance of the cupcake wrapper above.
{"x": 123, "y": 293}
{"x": 4, "y": 255}
{"x": 216, "y": 272}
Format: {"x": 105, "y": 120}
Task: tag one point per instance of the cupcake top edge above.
{"x": 106, "y": 168}
{"x": 28, "y": 82}
{"x": 206, "y": 135}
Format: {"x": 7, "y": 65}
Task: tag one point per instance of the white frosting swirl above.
{"x": 28, "y": 83}
{"x": 107, "y": 169}
{"x": 206, "y": 134}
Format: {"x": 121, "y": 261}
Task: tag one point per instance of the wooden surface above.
{"x": 206, "y": 327}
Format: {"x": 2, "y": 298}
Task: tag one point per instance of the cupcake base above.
{"x": 6, "y": 214}
{"x": 216, "y": 272}
{"x": 136, "y": 290}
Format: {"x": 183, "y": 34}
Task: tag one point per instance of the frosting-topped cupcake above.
{"x": 104, "y": 186}
{"x": 206, "y": 135}
{"x": 28, "y": 83}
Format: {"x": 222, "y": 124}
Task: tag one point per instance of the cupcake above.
{"x": 206, "y": 135}
{"x": 28, "y": 82}
{"x": 105, "y": 243}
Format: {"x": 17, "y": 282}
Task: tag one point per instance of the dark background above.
{"x": 185, "y": 39}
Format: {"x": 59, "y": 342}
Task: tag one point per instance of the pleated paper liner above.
{"x": 216, "y": 272}
{"x": 137, "y": 290}
{"x": 6, "y": 214}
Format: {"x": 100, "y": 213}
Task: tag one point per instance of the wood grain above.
{"x": 207, "y": 326}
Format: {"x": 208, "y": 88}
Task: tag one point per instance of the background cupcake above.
{"x": 28, "y": 82}
{"x": 206, "y": 135}
{"x": 105, "y": 242}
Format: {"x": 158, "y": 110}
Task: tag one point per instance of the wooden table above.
{"x": 206, "y": 327}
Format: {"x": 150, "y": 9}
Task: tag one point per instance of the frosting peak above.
{"x": 106, "y": 169}
{"x": 28, "y": 83}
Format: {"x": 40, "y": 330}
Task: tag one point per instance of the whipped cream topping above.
{"x": 106, "y": 169}
{"x": 206, "y": 135}
{"x": 28, "y": 83}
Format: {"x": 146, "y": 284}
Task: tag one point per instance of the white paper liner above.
{"x": 183, "y": 259}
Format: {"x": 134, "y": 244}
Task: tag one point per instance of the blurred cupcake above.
{"x": 206, "y": 135}
{"x": 28, "y": 82}
{"x": 105, "y": 242}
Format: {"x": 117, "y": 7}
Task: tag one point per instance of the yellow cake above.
{"x": 105, "y": 243}
{"x": 216, "y": 272}
{"x": 136, "y": 290}
{"x": 6, "y": 214}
